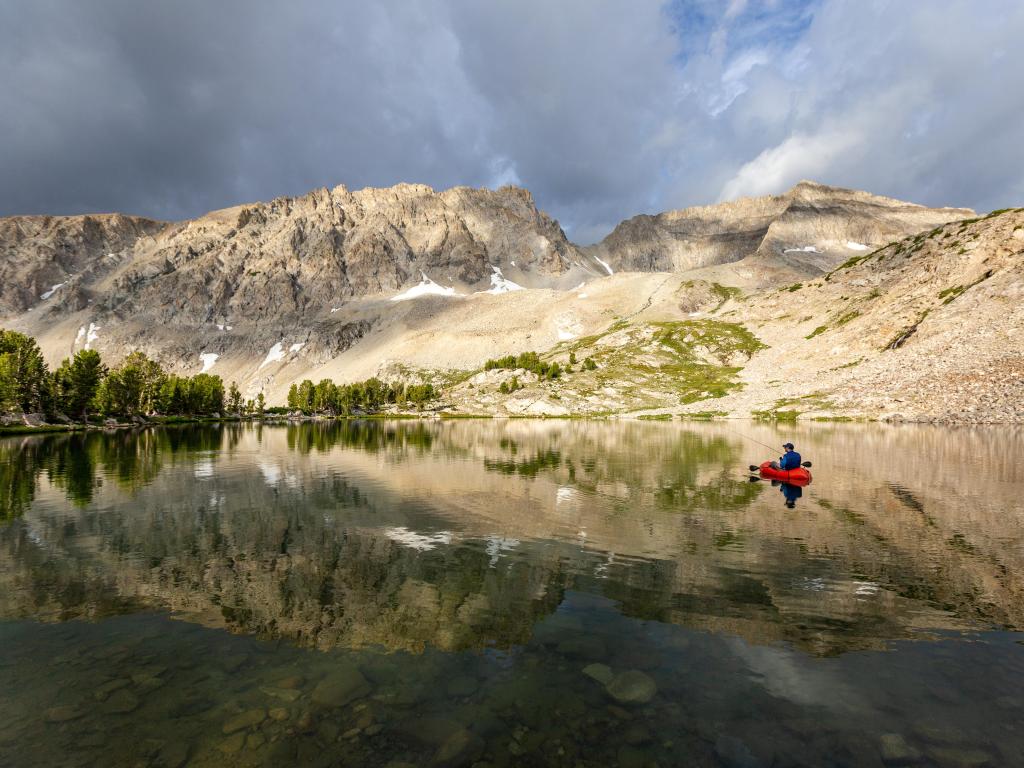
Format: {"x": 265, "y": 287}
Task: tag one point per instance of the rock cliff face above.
{"x": 257, "y": 283}
{"x": 809, "y": 229}
{"x": 43, "y": 255}
{"x": 269, "y": 259}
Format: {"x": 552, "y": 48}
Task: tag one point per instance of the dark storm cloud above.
{"x": 171, "y": 109}
{"x": 601, "y": 108}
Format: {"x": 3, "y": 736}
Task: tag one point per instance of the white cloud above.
{"x": 873, "y": 96}
{"x": 798, "y": 157}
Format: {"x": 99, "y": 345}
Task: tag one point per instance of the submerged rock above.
{"x": 461, "y": 748}
{"x": 285, "y": 694}
{"x": 104, "y": 691}
{"x": 245, "y": 720}
{"x": 344, "y": 684}
{"x": 600, "y": 672}
{"x": 632, "y": 687}
{"x": 233, "y": 743}
{"x": 62, "y": 714}
{"x": 305, "y": 723}
{"x": 121, "y": 703}
{"x": 896, "y": 751}
{"x": 255, "y": 740}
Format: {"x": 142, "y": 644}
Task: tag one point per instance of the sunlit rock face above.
{"x": 467, "y": 535}
{"x": 808, "y": 230}
{"x": 238, "y": 281}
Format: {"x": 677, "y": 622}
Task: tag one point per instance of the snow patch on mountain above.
{"x": 91, "y": 335}
{"x": 426, "y": 287}
{"x": 208, "y": 359}
{"x": 275, "y": 354}
{"x": 500, "y": 284}
{"x": 52, "y": 291}
{"x": 605, "y": 265}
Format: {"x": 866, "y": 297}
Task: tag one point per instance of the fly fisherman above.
{"x": 789, "y": 460}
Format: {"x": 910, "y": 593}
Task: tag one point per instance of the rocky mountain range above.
{"x": 409, "y": 282}
{"x": 811, "y": 228}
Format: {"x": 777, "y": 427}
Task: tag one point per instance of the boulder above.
{"x": 243, "y": 721}
{"x": 342, "y": 685}
{"x": 632, "y": 687}
{"x": 600, "y": 672}
{"x": 460, "y": 749}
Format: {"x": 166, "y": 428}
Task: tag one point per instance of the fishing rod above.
{"x": 752, "y": 467}
{"x": 773, "y": 448}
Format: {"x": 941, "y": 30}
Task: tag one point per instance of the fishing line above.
{"x": 751, "y": 439}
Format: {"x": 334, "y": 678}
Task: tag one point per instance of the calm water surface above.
{"x": 511, "y": 594}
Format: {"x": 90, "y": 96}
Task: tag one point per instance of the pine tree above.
{"x": 26, "y": 366}
{"x": 171, "y": 399}
{"x": 8, "y": 384}
{"x": 304, "y": 397}
{"x": 81, "y": 380}
{"x": 234, "y": 399}
{"x": 324, "y": 396}
{"x": 261, "y": 404}
{"x": 205, "y": 394}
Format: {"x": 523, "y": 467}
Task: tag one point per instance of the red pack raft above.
{"x": 798, "y": 476}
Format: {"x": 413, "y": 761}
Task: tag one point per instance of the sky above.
{"x": 603, "y": 109}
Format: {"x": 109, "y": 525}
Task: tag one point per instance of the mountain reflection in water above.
{"x": 465, "y": 534}
{"x": 510, "y": 593}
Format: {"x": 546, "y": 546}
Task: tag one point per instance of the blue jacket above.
{"x": 791, "y": 460}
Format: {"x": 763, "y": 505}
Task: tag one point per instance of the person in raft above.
{"x": 789, "y": 460}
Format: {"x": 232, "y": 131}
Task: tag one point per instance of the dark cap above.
{"x": 787, "y": 445}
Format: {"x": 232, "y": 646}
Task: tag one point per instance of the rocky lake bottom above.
{"x": 510, "y": 593}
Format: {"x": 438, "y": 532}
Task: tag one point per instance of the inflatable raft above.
{"x": 798, "y": 476}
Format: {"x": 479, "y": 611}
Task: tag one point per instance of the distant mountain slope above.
{"x": 805, "y": 231}
{"x": 927, "y": 327}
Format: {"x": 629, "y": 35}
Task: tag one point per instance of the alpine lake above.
{"x": 511, "y": 593}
